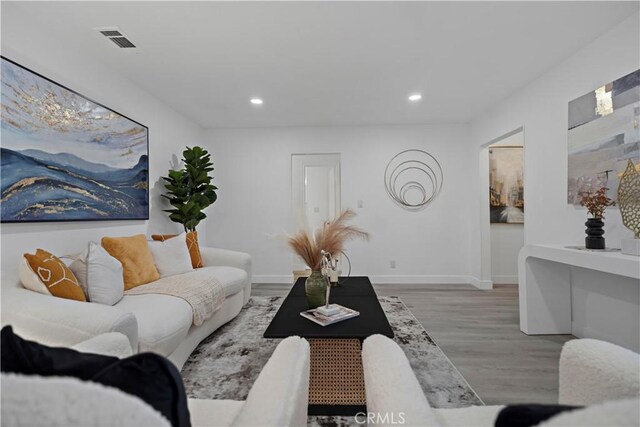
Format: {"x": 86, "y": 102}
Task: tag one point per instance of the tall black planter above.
{"x": 594, "y": 239}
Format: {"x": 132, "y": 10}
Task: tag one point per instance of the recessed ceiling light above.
{"x": 415, "y": 97}
{"x": 256, "y": 101}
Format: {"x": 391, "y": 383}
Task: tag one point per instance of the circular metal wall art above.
{"x": 413, "y": 179}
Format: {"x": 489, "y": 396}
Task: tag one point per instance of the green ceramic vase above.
{"x": 316, "y": 289}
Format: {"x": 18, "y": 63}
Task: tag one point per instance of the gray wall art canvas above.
{"x": 506, "y": 184}
{"x": 65, "y": 157}
{"x": 603, "y": 136}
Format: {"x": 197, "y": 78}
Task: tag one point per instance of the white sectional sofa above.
{"x": 157, "y": 323}
{"x": 279, "y": 397}
{"x": 599, "y": 374}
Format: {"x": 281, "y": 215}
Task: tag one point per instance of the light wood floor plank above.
{"x": 479, "y": 332}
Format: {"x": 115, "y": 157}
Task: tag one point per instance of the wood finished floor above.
{"x": 478, "y": 330}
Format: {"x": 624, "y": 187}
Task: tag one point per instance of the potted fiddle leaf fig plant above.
{"x": 189, "y": 190}
{"x": 596, "y": 203}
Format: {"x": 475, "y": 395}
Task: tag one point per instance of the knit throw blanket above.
{"x": 201, "y": 290}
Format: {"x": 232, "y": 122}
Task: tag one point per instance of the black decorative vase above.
{"x": 594, "y": 239}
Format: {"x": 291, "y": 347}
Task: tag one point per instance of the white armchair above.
{"x": 112, "y": 344}
{"x": 591, "y": 372}
{"x": 279, "y": 397}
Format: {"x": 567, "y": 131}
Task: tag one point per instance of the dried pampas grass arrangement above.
{"x": 330, "y": 238}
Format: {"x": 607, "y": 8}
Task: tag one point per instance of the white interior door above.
{"x": 315, "y": 185}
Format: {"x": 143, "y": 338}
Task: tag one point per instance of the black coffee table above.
{"x": 336, "y": 383}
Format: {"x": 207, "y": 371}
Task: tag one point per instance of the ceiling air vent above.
{"x": 122, "y": 42}
{"x": 114, "y": 34}
{"x": 111, "y": 33}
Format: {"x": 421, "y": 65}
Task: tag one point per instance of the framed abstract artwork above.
{"x": 66, "y": 157}
{"x": 506, "y": 184}
{"x": 604, "y": 134}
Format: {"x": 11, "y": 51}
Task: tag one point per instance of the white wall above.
{"x": 541, "y": 107}
{"x": 169, "y": 132}
{"x": 253, "y": 169}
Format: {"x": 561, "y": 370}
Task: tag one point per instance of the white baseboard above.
{"x": 419, "y": 279}
{"x": 393, "y": 279}
{"x": 433, "y": 280}
{"x": 505, "y": 279}
{"x": 485, "y": 285}
{"x": 271, "y": 278}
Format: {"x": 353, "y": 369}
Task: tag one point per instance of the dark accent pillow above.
{"x": 154, "y": 379}
{"x": 148, "y": 376}
{"x": 20, "y": 356}
{"x": 529, "y": 415}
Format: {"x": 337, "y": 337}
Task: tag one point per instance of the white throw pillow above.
{"x": 171, "y": 256}
{"x": 99, "y": 274}
{"x": 30, "y": 279}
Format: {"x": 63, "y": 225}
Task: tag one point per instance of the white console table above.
{"x": 584, "y": 293}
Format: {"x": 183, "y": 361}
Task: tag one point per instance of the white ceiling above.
{"x": 329, "y": 63}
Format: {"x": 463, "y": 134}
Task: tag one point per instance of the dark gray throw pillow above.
{"x": 150, "y": 377}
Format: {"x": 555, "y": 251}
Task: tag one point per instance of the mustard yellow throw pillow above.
{"x": 192, "y": 245}
{"x": 55, "y": 275}
{"x": 137, "y": 262}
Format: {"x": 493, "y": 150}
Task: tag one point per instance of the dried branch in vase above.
{"x": 331, "y": 237}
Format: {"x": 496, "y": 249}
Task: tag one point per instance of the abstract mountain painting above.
{"x": 65, "y": 157}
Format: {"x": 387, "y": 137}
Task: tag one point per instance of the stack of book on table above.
{"x": 326, "y": 316}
